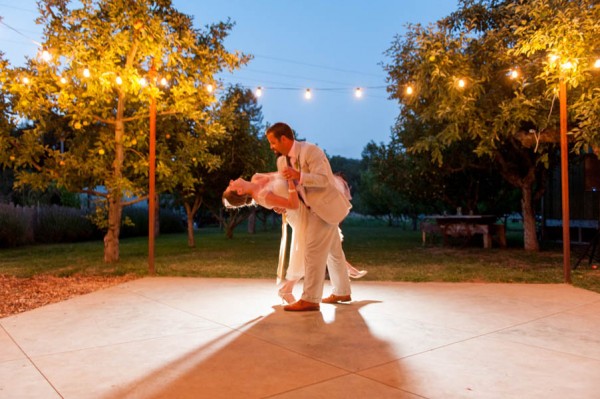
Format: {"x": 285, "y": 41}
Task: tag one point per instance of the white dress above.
{"x": 276, "y": 184}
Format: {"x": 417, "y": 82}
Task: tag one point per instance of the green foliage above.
{"x": 108, "y": 59}
{"x": 493, "y": 117}
{"x": 565, "y": 32}
{"x": 244, "y": 152}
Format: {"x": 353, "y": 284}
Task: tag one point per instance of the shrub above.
{"x": 135, "y": 222}
{"x": 16, "y": 225}
{"x": 61, "y": 224}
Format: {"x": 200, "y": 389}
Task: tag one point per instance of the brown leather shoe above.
{"x": 302, "y": 306}
{"x": 337, "y": 298}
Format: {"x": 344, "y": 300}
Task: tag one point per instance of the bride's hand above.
{"x": 291, "y": 174}
{"x": 279, "y": 210}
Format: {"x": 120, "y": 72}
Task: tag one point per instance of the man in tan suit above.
{"x": 308, "y": 165}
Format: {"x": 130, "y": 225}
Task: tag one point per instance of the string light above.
{"x": 45, "y": 55}
{"x": 567, "y": 65}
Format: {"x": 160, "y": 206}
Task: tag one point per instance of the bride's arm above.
{"x": 276, "y": 201}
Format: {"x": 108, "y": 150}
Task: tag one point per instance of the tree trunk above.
{"x": 530, "y": 241}
{"x": 229, "y": 231}
{"x": 252, "y": 221}
{"x": 111, "y": 239}
{"x": 190, "y": 232}
{"x": 115, "y": 195}
{"x": 190, "y": 211}
{"x": 525, "y": 182}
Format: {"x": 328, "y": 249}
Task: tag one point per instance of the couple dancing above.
{"x": 314, "y": 202}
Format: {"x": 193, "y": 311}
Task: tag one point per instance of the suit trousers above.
{"x": 323, "y": 250}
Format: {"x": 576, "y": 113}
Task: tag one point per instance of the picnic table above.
{"x": 467, "y": 226}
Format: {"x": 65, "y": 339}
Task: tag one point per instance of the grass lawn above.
{"x": 388, "y": 253}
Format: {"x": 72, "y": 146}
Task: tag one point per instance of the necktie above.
{"x": 299, "y": 188}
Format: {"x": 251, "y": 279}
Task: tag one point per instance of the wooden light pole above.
{"x": 152, "y": 178}
{"x": 564, "y": 172}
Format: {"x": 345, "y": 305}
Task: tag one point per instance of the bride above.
{"x": 271, "y": 190}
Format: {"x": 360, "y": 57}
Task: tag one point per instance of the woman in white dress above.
{"x": 271, "y": 190}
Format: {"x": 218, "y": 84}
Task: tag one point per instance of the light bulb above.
{"x": 358, "y": 92}
{"x": 26, "y": 80}
{"x": 461, "y": 83}
{"x": 46, "y": 56}
{"x": 308, "y": 94}
{"x": 513, "y": 74}
{"x": 567, "y": 65}
{"x": 164, "y": 82}
{"x": 119, "y": 80}
{"x": 597, "y": 63}
{"x": 143, "y": 82}
{"x": 258, "y": 92}
{"x": 409, "y": 90}
{"x": 209, "y": 88}
{"x": 86, "y": 73}
{"x": 63, "y": 80}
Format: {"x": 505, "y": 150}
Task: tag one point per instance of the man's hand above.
{"x": 291, "y": 174}
{"x": 280, "y": 211}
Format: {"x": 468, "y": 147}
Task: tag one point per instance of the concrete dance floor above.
{"x": 229, "y": 338}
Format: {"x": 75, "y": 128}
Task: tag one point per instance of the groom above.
{"x": 307, "y": 164}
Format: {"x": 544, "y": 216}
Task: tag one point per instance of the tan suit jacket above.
{"x": 318, "y": 182}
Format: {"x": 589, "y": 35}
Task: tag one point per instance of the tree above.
{"x": 377, "y": 197}
{"x": 350, "y": 170}
{"x": 458, "y": 81}
{"x": 102, "y": 62}
{"x": 244, "y": 152}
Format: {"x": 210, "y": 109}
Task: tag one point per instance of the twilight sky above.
{"x": 329, "y": 46}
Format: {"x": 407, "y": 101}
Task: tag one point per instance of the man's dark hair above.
{"x": 281, "y": 129}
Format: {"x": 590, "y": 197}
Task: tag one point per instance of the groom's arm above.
{"x": 318, "y": 168}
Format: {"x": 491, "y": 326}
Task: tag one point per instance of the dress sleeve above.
{"x": 276, "y": 186}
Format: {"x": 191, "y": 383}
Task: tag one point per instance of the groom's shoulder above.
{"x": 309, "y": 146}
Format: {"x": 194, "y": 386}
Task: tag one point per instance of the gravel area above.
{"x": 22, "y": 294}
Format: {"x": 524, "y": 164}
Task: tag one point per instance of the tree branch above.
{"x": 135, "y": 201}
